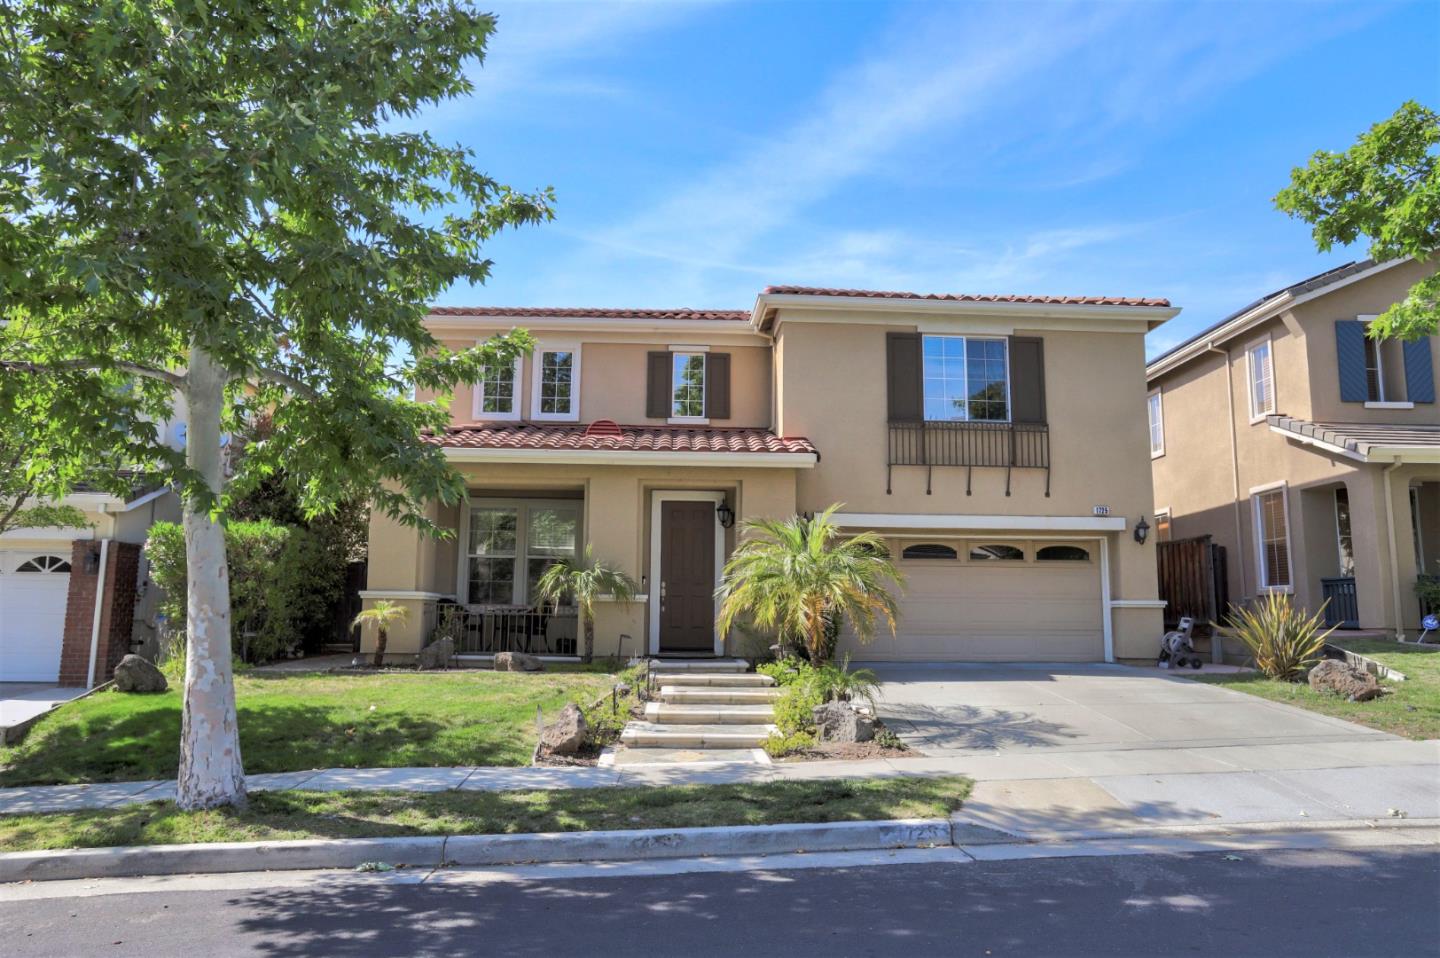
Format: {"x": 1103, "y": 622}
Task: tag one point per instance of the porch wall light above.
{"x": 1142, "y": 530}
{"x": 725, "y": 514}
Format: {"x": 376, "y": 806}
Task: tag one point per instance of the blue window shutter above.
{"x": 1419, "y": 376}
{"x": 1350, "y": 353}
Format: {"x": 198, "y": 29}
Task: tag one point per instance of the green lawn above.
{"x": 1410, "y": 708}
{"x": 294, "y": 722}
{"x": 299, "y": 814}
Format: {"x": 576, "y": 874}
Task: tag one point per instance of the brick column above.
{"x": 122, "y": 566}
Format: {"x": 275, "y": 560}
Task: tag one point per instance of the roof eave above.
{"x": 767, "y": 304}
{"x": 621, "y": 457}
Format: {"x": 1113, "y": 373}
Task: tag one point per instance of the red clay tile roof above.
{"x": 966, "y": 297}
{"x": 578, "y": 436}
{"x": 579, "y": 312}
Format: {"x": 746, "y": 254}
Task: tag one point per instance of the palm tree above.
{"x": 795, "y": 575}
{"x": 383, "y": 615}
{"x": 583, "y": 582}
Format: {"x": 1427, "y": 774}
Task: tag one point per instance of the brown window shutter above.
{"x": 905, "y": 396}
{"x": 1027, "y": 379}
{"x": 717, "y": 385}
{"x": 657, "y": 385}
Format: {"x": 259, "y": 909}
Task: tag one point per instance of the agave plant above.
{"x": 1284, "y": 641}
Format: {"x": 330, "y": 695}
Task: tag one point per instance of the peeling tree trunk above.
{"x": 211, "y": 774}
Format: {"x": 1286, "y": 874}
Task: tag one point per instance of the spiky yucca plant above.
{"x": 1284, "y": 641}
{"x": 792, "y": 575}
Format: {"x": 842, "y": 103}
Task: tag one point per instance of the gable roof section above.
{"x": 579, "y": 442}
{"x": 1264, "y": 308}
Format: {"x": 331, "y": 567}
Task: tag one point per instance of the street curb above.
{"x": 462, "y": 850}
{"x": 971, "y": 832}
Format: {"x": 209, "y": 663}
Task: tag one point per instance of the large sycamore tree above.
{"x": 207, "y": 211}
{"x": 1386, "y": 189}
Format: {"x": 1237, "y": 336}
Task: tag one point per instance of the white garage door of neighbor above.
{"x": 33, "y": 590}
{"x": 995, "y": 611}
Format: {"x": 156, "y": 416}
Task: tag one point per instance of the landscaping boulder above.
{"x": 518, "y": 662}
{"x": 838, "y": 722}
{"x": 437, "y": 654}
{"x": 1354, "y": 683}
{"x": 136, "y": 674}
{"x": 566, "y": 734}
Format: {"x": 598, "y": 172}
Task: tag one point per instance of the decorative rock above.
{"x": 518, "y": 662}
{"x": 566, "y": 734}
{"x": 839, "y": 722}
{"x": 136, "y": 674}
{"x": 437, "y": 654}
{"x": 1355, "y": 684}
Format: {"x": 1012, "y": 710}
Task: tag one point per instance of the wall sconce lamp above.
{"x": 725, "y": 514}
{"x": 1142, "y": 530}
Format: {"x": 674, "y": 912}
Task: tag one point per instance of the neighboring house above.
{"x": 991, "y": 440}
{"x": 74, "y": 601}
{"x": 1308, "y": 450}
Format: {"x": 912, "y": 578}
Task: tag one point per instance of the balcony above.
{"x": 1001, "y": 445}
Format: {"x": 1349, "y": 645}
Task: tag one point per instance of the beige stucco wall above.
{"x": 615, "y": 522}
{"x": 1197, "y": 478}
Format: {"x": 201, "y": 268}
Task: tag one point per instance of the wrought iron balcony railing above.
{"x": 1003, "y": 445}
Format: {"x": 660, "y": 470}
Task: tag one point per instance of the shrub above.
{"x": 779, "y": 745}
{"x": 1427, "y": 588}
{"x": 783, "y": 671}
{"x": 887, "y": 739}
{"x": 1284, "y": 641}
{"x": 838, "y": 683}
{"x": 795, "y": 706}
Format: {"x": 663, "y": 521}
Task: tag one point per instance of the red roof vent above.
{"x": 604, "y": 427}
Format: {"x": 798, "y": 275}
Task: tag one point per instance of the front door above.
{"x": 687, "y": 576}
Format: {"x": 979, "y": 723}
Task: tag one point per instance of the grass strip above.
{"x": 284, "y": 815}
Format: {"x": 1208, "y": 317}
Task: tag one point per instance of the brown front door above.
{"x": 687, "y": 576}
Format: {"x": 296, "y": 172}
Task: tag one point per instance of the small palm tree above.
{"x": 384, "y": 615}
{"x": 583, "y": 582}
{"x": 797, "y": 574}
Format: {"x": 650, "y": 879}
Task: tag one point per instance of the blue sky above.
{"x": 702, "y": 151}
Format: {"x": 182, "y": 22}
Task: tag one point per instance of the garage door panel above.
{"x": 32, "y": 620}
{"x": 958, "y": 611}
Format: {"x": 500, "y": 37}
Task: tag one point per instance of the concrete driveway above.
{"x": 983, "y": 709}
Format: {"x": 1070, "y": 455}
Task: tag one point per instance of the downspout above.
{"x": 99, "y": 607}
{"x": 1234, "y": 462}
{"x": 1394, "y": 548}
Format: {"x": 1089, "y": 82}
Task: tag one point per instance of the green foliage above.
{"x": 47, "y": 516}
{"x": 888, "y": 739}
{"x": 1385, "y": 188}
{"x": 801, "y": 578}
{"x": 1428, "y": 591}
{"x": 778, "y": 745}
{"x": 1284, "y": 641}
{"x": 840, "y": 683}
{"x": 384, "y": 615}
{"x": 584, "y": 582}
{"x": 284, "y": 583}
{"x": 795, "y": 705}
{"x": 605, "y": 718}
{"x": 783, "y": 671}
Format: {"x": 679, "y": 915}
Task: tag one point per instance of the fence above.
{"x": 1192, "y": 580}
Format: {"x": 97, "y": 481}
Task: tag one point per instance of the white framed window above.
{"x": 1262, "y": 380}
{"x": 687, "y": 387}
{"x": 555, "y": 387}
{"x": 966, "y": 378}
{"x": 1272, "y": 538}
{"x": 497, "y": 394}
{"x": 1344, "y": 541}
{"x": 508, "y": 545}
{"x": 1155, "y": 407}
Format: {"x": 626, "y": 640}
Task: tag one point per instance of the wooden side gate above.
{"x": 1192, "y": 580}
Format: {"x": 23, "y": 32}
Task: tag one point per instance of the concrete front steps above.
{"x": 714, "y": 705}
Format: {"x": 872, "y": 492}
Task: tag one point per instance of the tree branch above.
{"x": 175, "y": 380}
{"x": 288, "y": 381}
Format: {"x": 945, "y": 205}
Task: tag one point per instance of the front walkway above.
{"x": 24, "y": 702}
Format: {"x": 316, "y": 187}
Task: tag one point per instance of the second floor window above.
{"x": 496, "y": 394}
{"x": 1262, "y": 380}
{"x": 966, "y": 379}
{"x": 556, "y": 383}
{"x": 687, "y": 386}
{"x": 1157, "y": 424}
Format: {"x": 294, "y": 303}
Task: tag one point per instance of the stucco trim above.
{"x": 767, "y": 304}
{"x": 1138, "y": 603}
{"x": 777, "y": 460}
{"x": 980, "y": 523}
{"x": 403, "y": 594}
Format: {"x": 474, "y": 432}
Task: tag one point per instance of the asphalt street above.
{"x": 1374, "y": 901}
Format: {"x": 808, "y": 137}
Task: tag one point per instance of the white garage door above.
{"x": 1034, "y": 602}
{"x": 33, "y": 590}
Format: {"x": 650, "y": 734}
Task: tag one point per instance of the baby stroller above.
{"x": 1176, "y": 649}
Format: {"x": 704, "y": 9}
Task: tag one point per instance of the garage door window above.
{"x": 996, "y": 553}
{"x": 929, "y": 550}
{"x": 44, "y": 564}
{"x": 1062, "y": 554}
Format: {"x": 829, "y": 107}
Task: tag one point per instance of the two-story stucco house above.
{"x": 992, "y": 440}
{"x": 1308, "y": 450}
